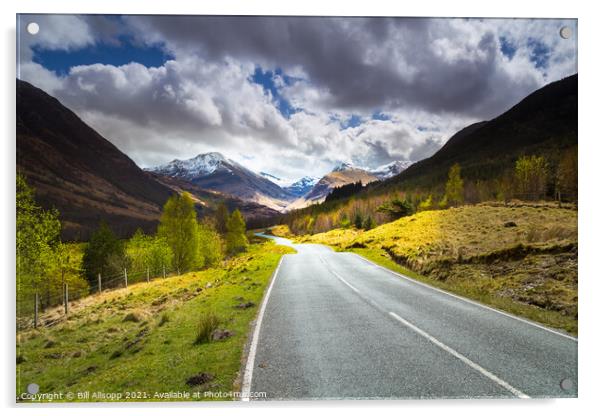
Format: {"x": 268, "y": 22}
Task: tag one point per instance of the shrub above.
{"x": 131, "y": 317}
{"x": 426, "y": 205}
{"x": 164, "y": 319}
{"x": 207, "y": 324}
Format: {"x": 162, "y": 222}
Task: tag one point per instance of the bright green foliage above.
{"x": 531, "y": 173}
{"x": 104, "y": 254}
{"x": 221, "y": 218}
{"x": 236, "y": 240}
{"x": 146, "y": 252}
{"x": 210, "y": 244}
{"x": 443, "y": 203}
{"x": 454, "y": 188}
{"x": 344, "y": 221}
{"x": 38, "y": 234}
{"x": 178, "y": 226}
{"x": 426, "y": 205}
{"x": 66, "y": 268}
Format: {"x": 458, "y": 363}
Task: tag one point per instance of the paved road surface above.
{"x": 336, "y": 326}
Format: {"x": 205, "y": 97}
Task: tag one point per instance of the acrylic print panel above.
{"x": 291, "y": 208}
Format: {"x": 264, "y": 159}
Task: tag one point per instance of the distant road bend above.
{"x": 336, "y": 326}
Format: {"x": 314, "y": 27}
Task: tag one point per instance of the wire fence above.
{"x": 45, "y": 308}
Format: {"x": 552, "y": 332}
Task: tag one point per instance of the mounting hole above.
{"x": 566, "y": 384}
{"x": 33, "y": 28}
{"x": 565, "y": 32}
{"x": 33, "y": 388}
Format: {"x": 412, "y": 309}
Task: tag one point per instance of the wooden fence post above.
{"x": 125, "y": 275}
{"x": 147, "y": 275}
{"x": 99, "y": 283}
{"x": 35, "y": 310}
{"x": 66, "y": 288}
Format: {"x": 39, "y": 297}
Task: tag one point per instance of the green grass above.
{"x": 143, "y": 339}
{"x": 522, "y": 259}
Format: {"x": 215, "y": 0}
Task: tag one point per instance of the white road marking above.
{"x": 345, "y": 281}
{"x": 468, "y": 300}
{"x": 461, "y": 357}
{"x": 248, "y": 376}
{"x": 434, "y": 340}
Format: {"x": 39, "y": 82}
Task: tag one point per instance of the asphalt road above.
{"x": 335, "y": 326}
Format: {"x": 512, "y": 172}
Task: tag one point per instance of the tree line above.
{"x": 182, "y": 243}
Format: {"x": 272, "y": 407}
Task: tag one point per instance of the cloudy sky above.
{"x": 291, "y": 96}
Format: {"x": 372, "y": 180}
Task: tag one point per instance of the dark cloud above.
{"x": 363, "y": 62}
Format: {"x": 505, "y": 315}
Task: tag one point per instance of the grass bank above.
{"x": 521, "y": 259}
{"x": 182, "y": 334}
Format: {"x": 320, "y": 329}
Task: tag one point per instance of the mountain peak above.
{"x": 210, "y": 156}
{"x": 343, "y": 166}
{"x": 391, "y": 169}
{"x": 202, "y": 164}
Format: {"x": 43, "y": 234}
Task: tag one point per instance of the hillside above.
{"x": 341, "y": 175}
{"x": 143, "y": 338}
{"x": 519, "y": 258}
{"x": 544, "y": 122}
{"x": 79, "y": 172}
{"x": 215, "y": 172}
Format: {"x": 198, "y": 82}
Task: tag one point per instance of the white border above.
{"x": 590, "y": 219}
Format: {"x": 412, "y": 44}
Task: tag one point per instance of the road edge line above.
{"x": 462, "y": 358}
{"x": 473, "y": 302}
{"x": 248, "y": 372}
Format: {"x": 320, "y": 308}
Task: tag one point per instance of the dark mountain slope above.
{"x": 77, "y": 171}
{"x": 545, "y": 122}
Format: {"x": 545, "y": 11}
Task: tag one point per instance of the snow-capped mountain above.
{"x": 302, "y": 186}
{"x": 343, "y": 166}
{"x": 390, "y": 169}
{"x": 216, "y": 172}
{"x": 297, "y": 188}
{"x": 197, "y": 167}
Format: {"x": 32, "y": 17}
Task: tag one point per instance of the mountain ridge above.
{"x": 79, "y": 172}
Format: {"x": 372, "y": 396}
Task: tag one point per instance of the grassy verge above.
{"x": 150, "y": 341}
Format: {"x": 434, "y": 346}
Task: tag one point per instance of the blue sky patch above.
{"x": 379, "y": 115}
{"x": 352, "y": 121}
{"x": 507, "y": 47}
{"x": 539, "y": 53}
{"x": 266, "y": 80}
{"x": 61, "y": 61}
